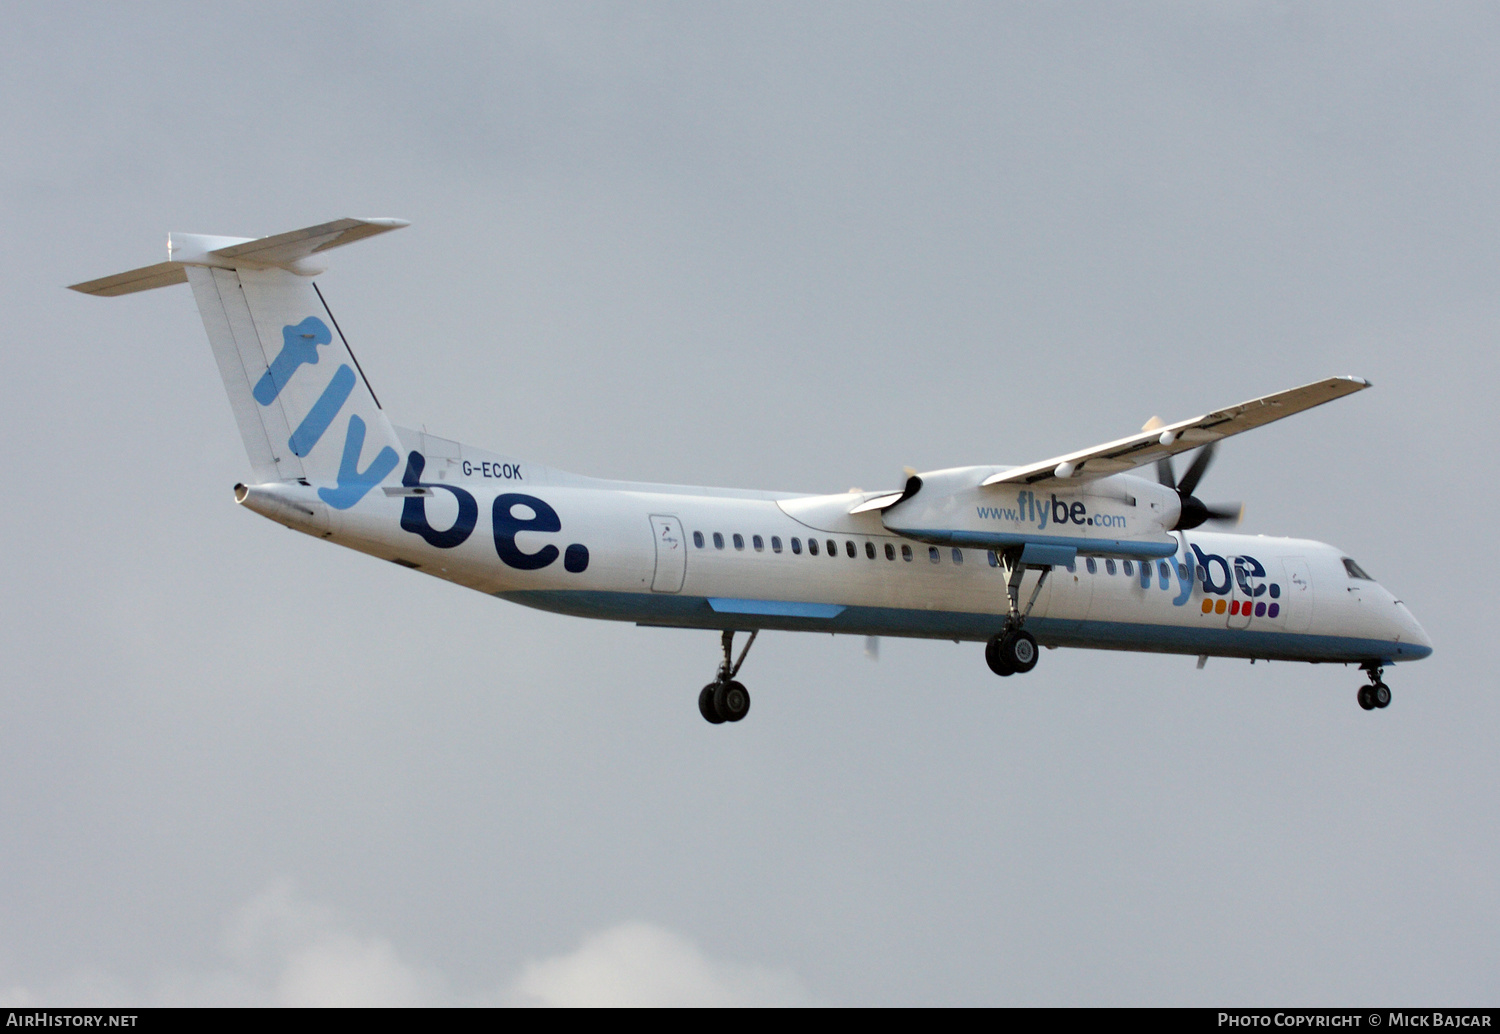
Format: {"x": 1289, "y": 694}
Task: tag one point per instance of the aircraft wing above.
{"x": 1152, "y": 444}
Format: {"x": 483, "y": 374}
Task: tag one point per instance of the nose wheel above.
{"x": 724, "y": 699}
{"x": 1377, "y": 694}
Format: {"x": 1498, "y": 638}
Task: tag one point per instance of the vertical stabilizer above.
{"x": 304, "y": 409}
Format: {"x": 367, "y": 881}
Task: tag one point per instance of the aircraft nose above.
{"x": 1412, "y": 642}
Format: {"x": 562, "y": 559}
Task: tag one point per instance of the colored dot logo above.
{"x": 1241, "y": 608}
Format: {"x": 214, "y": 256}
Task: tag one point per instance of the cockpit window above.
{"x": 1355, "y": 571}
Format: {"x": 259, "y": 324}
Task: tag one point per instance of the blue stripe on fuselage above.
{"x": 775, "y": 608}
{"x": 696, "y": 612}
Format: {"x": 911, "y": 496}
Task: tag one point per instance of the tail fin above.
{"x": 290, "y": 376}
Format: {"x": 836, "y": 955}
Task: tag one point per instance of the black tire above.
{"x": 993, "y": 658}
{"x": 1366, "y": 698}
{"x": 1380, "y": 695}
{"x": 732, "y": 701}
{"x": 1020, "y": 651}
{"x": 706, "y": 705}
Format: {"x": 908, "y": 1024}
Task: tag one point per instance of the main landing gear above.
{"x": 1011, "y": 653}
{"x": 1012, "y": 650}
{"x": 1377, "y": 693}
{"x": 723, "y": 699}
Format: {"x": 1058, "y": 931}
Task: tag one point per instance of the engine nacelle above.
{"x": 1122, "y": 515}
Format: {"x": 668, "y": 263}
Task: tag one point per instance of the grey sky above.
{"x": 776, "y": 246}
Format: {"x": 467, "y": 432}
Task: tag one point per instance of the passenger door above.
{"x": 671, "y": 554}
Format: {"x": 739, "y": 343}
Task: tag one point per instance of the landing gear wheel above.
{"x": 1020, "y": 650}
{"x": 731, "y": 701}
{"x": 1366, "y": 698}
{"x": 1380, "y": 695}
{"x": 706, "y": 705}
{"x": 993, "y": 658}
{"x": 1011, "y": 653}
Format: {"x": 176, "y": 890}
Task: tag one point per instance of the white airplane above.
{"x": 1070, "y": 551}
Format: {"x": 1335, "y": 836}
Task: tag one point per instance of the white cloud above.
{"x": 295, "y": 954}
{"x": 636, "y": 964}
{"x": 282, "y": 950}
{"x": 346, "y": 970}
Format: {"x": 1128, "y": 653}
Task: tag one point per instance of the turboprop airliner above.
{"x": 1079, "y": 550}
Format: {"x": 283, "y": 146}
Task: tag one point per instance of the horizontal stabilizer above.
{"x": 292, "y": 251}
{"x": 286, "y": 250}
{"x": 163, "y": 274}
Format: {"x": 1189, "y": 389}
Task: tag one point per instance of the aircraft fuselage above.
{"x": 742, "y": 560}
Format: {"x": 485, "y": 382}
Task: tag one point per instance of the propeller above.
{"x": 1194, "y": 510}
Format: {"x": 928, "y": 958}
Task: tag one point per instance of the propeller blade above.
{"x": 1164, "y": 472}
{"x": 1226, "y": 513}
{"x": 1195, "y": 472}
{"x": 872, "y": 647}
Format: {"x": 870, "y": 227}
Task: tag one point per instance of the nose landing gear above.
{"x": 724, "y": 699}
{"x": 1377, "y": 693}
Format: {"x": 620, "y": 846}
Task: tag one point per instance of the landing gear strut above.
{"x": 1377, "y": 693}
{"x": 724, "y": 699}
{"x": 1012, "y": 650}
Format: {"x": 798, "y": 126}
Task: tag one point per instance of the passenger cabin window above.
{"x": 1355, "y": 571}
{"x": 994, "y": 560}
{"x": 1181, "y": 571}
{"x": 698, "y": 539}
{"x": 890, "y": 551}
{"x": 1092, "y": 565}
{"x": 870, "y": 550}
{"x": 796, "y": 546}
{"x": 775, "y": 543}
{"x": 1164, "y": 570}
{"x": 739, "y": 541}
{"x": 849, "y": 547}
{"x": 718, "y": 541}
{"x": 1129, "y": 568}
{"x": 759, "y": 543}
{"x": 905, "y": 552}
{"x": 1072, "y": 565}
{"x": 958, "y": 555}
{"x": 1109, "y": 567}
{"x": 812, "y": 547}
{"x": 934, "y": 555}
{"x": 833, "y": 548}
